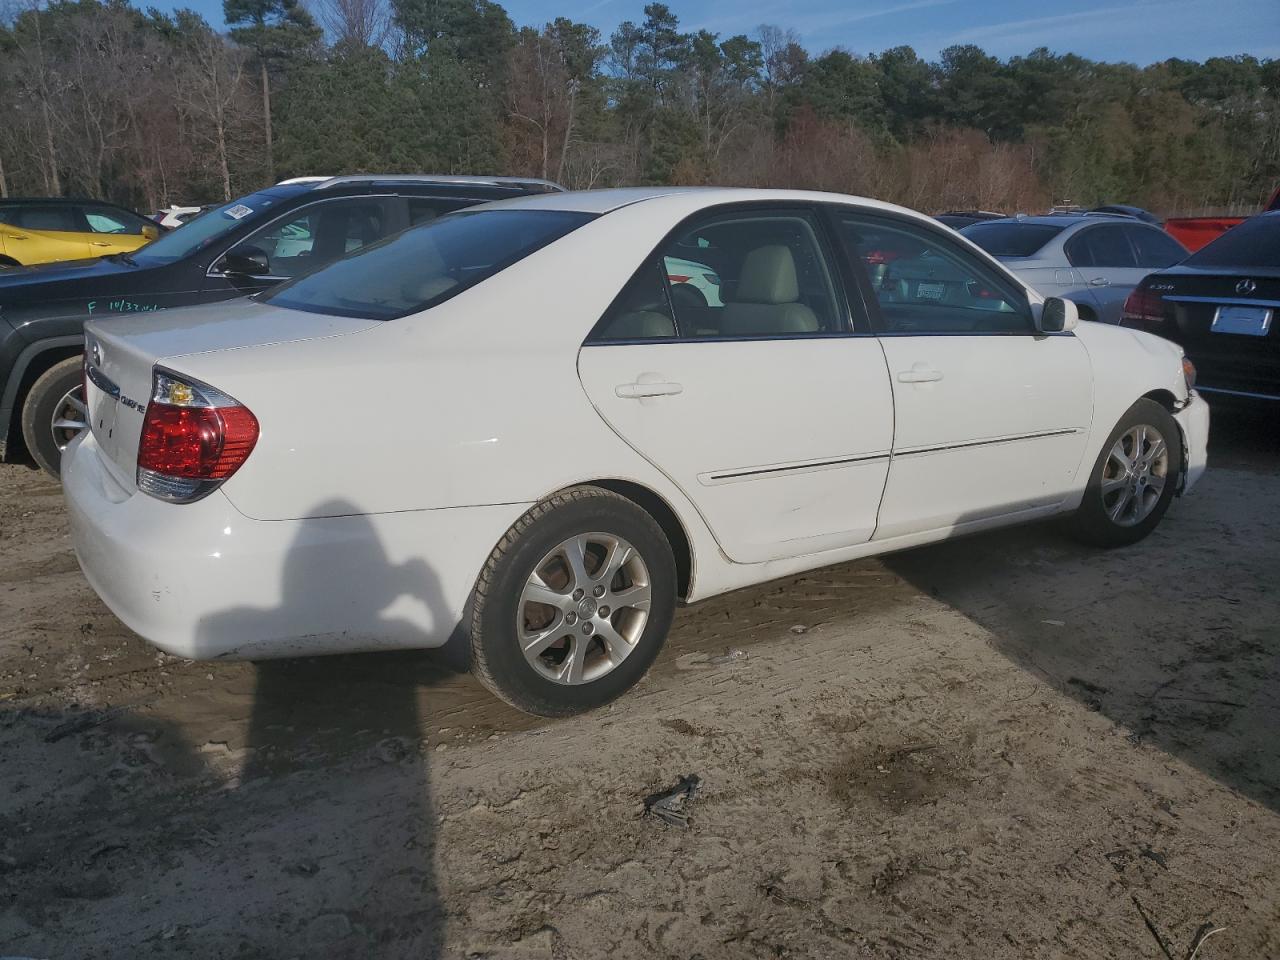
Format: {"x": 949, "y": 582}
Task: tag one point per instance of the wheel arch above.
{"x": 30, "y": 364}
{"x": 666, "y": 517}
{"x": 8, "y": 261}
{"x": 1163, "y": 397}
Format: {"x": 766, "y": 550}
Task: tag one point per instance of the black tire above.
{"x": 497, "y": 659}
{"x": 38, "y": 408}
{"x": 1092, "y": 523}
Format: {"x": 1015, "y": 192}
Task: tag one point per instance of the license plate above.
{"x": 1245, "y": 321}
{"x": 930, "y": 291}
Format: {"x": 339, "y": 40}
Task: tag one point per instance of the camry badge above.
{"x": 1246, "y": 286}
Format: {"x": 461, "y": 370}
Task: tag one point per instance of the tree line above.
{"x": 100, "y": 98}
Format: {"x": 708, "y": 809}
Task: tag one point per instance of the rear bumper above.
{"x": 1194, "y": 421}
{"x": 202, "y": 581}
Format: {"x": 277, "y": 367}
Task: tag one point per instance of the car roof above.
{"x": 527, "y": 184}
{"x": 57, "y": 201}
{"x": 1068, "y": 220}
{"x": 605, "y": 201}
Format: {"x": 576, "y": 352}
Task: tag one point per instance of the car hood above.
{"x": 25, "y": 283}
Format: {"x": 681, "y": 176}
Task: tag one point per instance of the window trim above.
{"x": 827, "y": 248}
{"x": 1009, "y": 283}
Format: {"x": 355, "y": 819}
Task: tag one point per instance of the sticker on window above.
{"x": 930, "y": 291}
{"x": 238, "y": 212}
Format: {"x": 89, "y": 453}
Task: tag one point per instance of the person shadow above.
{"x": 335, "y": 781}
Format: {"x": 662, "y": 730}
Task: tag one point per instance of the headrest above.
{"x": 768, "y": 276}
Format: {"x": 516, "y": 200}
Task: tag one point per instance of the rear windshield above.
{"x": 425, "y": 265}
{"x": 1011, "y": 239}
{"x": 1254, "y": 243}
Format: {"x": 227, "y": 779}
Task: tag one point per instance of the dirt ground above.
{"x": 1001, "y": 747}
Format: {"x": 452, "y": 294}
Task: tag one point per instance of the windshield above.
{"x": 207, "y": 228}
{"x": 1254, "y": 243}
{"x": 1003, "y": 238}
{"x": 425, "y": 265}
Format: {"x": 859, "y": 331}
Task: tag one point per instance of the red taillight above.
{"x": 198, "y": 443}
{"x": 193, "y": 438}
{"x": 1143, "y": 308}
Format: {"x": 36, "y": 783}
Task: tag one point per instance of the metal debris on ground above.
{"x": 668, "y": 806}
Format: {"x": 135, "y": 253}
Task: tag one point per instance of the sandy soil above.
{"x": 1002, "y": 747}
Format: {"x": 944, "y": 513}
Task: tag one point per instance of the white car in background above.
{"x": 175, "y": 216}
{"x": 460, "y": 433}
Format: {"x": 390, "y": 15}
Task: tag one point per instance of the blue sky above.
{"x": 1139, "y": 32}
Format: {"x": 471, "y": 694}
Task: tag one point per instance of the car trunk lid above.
{"x": 122, "y": 354}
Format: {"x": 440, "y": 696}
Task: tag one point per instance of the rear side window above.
{"x": 61, "y": 219}
{"x": 1004, "y": 239}
{"x": 1104, "y": 246}
{"x": 1254, "y": 243}
{"x": 1154, "y": 248}
{"x": 747, "y": 274}
{"x": 425, "y": 265}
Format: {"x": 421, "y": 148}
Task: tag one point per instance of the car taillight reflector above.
{"x": 1143, "y": 308}
{"x": 193, "y": 438}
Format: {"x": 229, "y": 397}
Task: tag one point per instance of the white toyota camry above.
{"x": 459, "y": 433}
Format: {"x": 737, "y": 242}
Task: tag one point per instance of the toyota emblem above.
{"x": 1246, "y": 286}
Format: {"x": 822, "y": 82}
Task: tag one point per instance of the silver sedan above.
{"x": 1093, "y": 259}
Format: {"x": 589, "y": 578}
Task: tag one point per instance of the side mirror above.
{"x": 150, "y": 232}
{"x": 247, "y": 260}
{"x": 1058, "y": 316}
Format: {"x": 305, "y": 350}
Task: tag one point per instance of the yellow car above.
{"x": 44, "y": 230}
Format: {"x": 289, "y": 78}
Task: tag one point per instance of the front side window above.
{"x": 206, "y": 230}
{"x": 733, "y": 275}
{"x": 925, "y": 284}
{"x": 1105, "y": 246}
{"x": 425, "y": 265}
{"x": 317, "y": 235}
{"x": 107, "y": 220}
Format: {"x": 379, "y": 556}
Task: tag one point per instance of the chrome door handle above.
{"x": 1099, "y": 282}
{"x": 638, "y": 391}
{"x": 919, "y": 374}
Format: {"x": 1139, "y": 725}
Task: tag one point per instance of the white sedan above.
{"x": 461, "y": 436}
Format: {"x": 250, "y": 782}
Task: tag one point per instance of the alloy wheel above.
{"x": 584, "y": 608}
{"x": 1134, "y": 476}
{"x": 70, "y": 417}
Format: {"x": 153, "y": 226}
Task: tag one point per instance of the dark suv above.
{"x": 235, "y": 250}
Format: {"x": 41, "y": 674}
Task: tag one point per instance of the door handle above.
{"x": 99, "y": 243}
{"x": 1099, "y": 282}
{"x": 17, "y": 236}
{"x": 919, "y": 374}
{"x": 638, "y": 391}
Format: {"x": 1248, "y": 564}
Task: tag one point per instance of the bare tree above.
{"x": 366, "y": 23}
{"x": 212, "y": 89}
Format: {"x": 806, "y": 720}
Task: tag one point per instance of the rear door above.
{"x": 44, "y": 233}
{"x": 751, "y": 391}
{"x": 991, "y": 416}
{"x": 1105, "y": 259}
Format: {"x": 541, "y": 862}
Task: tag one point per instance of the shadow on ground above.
{"x": 1176, "y": 638}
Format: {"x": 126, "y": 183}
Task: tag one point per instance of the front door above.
{"x": 991, "y": 417}
{"x": 1105, "y": 259}
{"x": 730, "y": 364}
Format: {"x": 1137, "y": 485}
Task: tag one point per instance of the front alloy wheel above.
{"x": 1134, "y": 477}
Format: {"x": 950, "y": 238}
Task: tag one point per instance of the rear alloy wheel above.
{"x": 574, "y": 603}
{"x": 1134, "y": 479}
{"x": 54, "y": 413}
